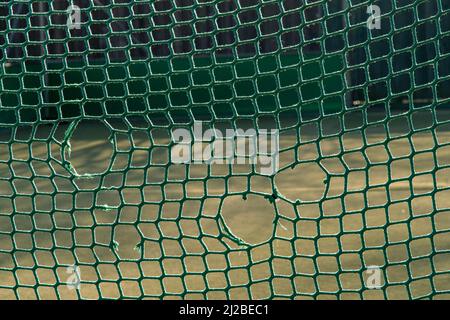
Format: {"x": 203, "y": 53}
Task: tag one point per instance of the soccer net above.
{"x": 225, "y": 149}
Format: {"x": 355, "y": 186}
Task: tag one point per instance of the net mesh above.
{"x": 92, "y": 205}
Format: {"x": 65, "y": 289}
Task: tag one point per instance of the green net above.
{"x": 93, "y": 205}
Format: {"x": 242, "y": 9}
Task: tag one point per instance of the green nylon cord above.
{"x": 366, "y": 110}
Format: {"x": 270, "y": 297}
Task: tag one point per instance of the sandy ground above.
{"x": 158, "y": 229}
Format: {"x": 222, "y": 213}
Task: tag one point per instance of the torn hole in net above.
{"x": 248, "y": 220}
{"x": 87, "y": 149}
